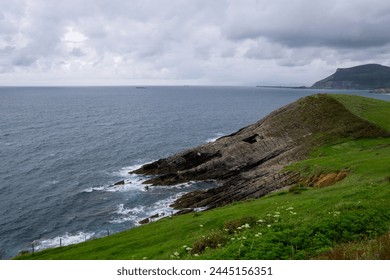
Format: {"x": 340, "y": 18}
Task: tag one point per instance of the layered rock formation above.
{"x": 250, "y": 162}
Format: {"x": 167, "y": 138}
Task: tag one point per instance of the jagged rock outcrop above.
{"x": 250, "y": 162}
{"x": 369, "y": 76}
{"x": 119, "y": 183}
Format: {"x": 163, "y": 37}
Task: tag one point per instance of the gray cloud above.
{"x": 347, "y": 24}
{"x": 199, "y": 41}
{"x": 77, "y": 52}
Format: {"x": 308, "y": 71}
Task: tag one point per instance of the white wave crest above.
{"x": 132, "y": 182}
{"x": 124, "y": 172}
{"x": 63, "y": 240}
{"x": 215, "y": 138}
{"x": 101, "y": 188}
{"x": 159, "y": 209}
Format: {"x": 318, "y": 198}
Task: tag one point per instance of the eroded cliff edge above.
{"x": 249, "y": 163}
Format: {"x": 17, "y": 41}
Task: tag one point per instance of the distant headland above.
{"x": 373, "y": 77}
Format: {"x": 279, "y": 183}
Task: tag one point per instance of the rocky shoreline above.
{"x": 250, "y": 162}
{"x": 380, "y": 90}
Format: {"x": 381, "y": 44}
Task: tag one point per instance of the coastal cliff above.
{"x": 369, "y": 76}
{"x": 250, "y": 162}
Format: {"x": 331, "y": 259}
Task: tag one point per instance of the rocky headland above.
{"x": 363, "y": 77}
{"x": 251, "y": 162}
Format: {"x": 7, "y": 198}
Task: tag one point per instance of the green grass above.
{"x": 373, "y": 110}
{"x": 302, "y": 224}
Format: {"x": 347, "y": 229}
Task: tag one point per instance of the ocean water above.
{"x": 62, "y": 149}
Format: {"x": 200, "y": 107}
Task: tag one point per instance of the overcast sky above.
{"x": 188, "y": 42}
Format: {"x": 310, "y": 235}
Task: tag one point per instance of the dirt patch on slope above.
{"x": 324, "y": 180}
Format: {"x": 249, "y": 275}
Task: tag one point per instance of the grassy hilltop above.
{"x": 339, "y": 208}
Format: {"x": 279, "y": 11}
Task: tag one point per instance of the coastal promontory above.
{"x": 363, "y": 77}
{"x": 251, "y": 162}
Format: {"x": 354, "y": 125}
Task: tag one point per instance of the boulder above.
{"x": 119, "y": 183}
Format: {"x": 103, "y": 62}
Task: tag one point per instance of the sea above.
{"x": 62, "y": 149}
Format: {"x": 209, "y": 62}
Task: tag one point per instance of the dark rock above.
{"x": 144, "y": 221}
{"x": 119, "y": 183}
{"x": 154, "y": 216}
{"x": 184, "y": 211}
{"x": 252, "y": 139}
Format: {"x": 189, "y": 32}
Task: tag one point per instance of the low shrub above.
{"x": 214, "y": 240}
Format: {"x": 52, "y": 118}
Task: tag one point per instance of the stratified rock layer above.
{"x": 250, "y": 162}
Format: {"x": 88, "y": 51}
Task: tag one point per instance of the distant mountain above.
{"x": 369, "y": 76}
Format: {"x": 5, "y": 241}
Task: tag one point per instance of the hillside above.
{"x": 250, "y": 162}
{"x": 307, "y": 220}
{"x": 369, "y": 76}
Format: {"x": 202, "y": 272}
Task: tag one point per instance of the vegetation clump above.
{"x": 215, "y": 239}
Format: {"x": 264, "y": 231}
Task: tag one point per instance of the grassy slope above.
{"x": 373, "y": 110}
{"x": 284, "y": 225}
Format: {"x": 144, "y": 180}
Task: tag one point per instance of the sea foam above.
{"x": 159, "y": 209}
{"x": 63, "y": 240}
